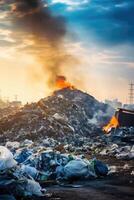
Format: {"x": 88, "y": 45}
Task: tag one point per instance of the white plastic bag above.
{"x": 6, "y": 159}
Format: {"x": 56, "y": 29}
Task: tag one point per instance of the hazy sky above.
{"x": 100, "y": 34}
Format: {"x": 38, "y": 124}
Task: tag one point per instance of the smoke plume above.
{"x": 33, "y": 20}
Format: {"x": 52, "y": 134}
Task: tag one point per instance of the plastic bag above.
{"x": 22, "y": 155}
{"x": 31, "y": 171}
{"x": 78, "y": 168}
{"x": 125, "y": 156}
{"x": 33, "y": 188}
{"x": 6, "y": 159}
{"x": 12, "y": 145}
{"x": 100, "y": 168}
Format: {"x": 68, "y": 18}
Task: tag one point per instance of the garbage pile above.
{"x": 56, "y": 139}
{"x": 25, "y": 166}
{"x": 64, "y": 114}
{"x": 13, "y": 179}
{"x": 120, "y": 144}
{"x": 123, "y": 135}
{"x": 8, "y": 111}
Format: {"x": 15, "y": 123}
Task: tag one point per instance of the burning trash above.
{"x": 62, "y": 83}
{"x": 65, "y": 113}
{"x": 112, "y": 124}
{"x": 59, "y": 140}
{"x": 122, "y": 118}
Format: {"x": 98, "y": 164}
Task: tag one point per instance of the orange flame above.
{"x": 112, "y": 124}
{"x": 62, "y": 83}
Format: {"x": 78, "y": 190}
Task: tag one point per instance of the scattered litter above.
{"x": 56, "y": 139}
{"x": 126, "y": 166}
{"x": 132, "y": 173}
{"x": 48, "y": 165}
{"x": 112, "y": 169}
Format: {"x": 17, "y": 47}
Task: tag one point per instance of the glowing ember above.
{"x": 112, "y": 124}
{"x": 61, "y": 83}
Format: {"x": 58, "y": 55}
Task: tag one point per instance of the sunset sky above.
{"x": 99, "y": 36}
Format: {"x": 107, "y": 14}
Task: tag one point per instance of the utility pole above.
{"x": 131, "y": 93}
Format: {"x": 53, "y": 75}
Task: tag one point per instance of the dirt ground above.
{"x": 112, "y": 188}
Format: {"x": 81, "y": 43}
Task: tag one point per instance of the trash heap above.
{"x": 56, "y": 139}
{"x": 62, "y": 115}
{"x": 24, "y": 167}
{"x": 8, "y": 111}
{"x": 13, "y": 179}
{"x": 120, "y": 144}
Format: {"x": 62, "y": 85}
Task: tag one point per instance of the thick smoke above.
{"x": 33, "y": 19}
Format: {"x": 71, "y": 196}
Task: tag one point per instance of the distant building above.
{"x": 6, "y": 104}
{"x": 114, "y": 103}
{"x": 128, "y": 106}
{"x": 16, "y": 104}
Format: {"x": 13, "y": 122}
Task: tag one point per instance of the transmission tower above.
{"x": 131, "y": 93}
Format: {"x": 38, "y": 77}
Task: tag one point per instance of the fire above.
{"x": 112, "y": 124}
{"x": 62, "y": 83}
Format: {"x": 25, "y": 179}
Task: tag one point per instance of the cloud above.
{"x": 69, "y": 5}
{"x": 109, "y": 22}
{"x": 71, "y": 2}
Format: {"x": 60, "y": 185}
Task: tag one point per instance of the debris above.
{"x": 30, "y": 171}
{"x": 56, "y": 139}
{"x": 120, "y": 144}
{"x": 12, "y": 145}
{"x": 125, "y": 153}
{"x": 33, "y": 188}
{"x": 64, "y": 114}
{"x": 22, "y": 155}
{"x": 112, "y": 169}
{"x": 126, "y": 166}
{"x": 78, "y": 169}
{"x": 100, "y": 168}
{"x": 17, "y": 179}
{"x": 132, "y": 173}
{"x": 6, "y": 159}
